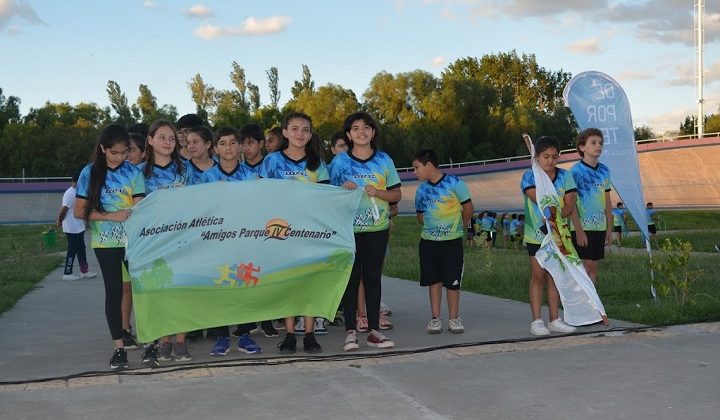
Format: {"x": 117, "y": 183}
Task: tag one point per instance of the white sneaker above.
{"x": 456, "y": 326}
{"x": 70, "y": 277}
{"x": 434, "y": 326}
{"x": 88, "y": 275}
{"x": 537, "y": 327}
{"x": 300, "y": 326}
{"x": 351, "y": 341}
{"x": 560, "y": 326}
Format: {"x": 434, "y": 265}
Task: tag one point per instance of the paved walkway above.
{"x": 56, "y": 348}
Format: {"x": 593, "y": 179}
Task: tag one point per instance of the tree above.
{"x": 644, "y": 133}
{"x": 147, "y": 104}
{"x": 119, "y": 103}
{"x": 9, "y": 109}
{"x": 687, "y": 127}
{"x": 306, "y": 83}
{"x": 272, "y": 75}
{"x": 328, "y": 107}
{"x": 254, "y": 97}
{"x": 237, "y": 76}
{"x": 203, "y": 95}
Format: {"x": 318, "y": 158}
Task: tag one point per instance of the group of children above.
{"x": 129, "y": 164}
{"x": 483, "y": 229}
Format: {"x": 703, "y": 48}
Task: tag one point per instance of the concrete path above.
{"x": 55, "y": 350}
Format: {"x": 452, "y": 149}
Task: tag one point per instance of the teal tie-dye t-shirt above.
{"x": 166, "y": 177}
{"x": 194, "y": 173}
{"x": 592, "y": 184}
{"x": 379, "y": 171}
{"x": 122, "y": 185}
{"x": 563, "y": 183}
{"x": 255, "y": 169}
{"x": 280, "y": 166}
{"x": 441, "y": 206}
{"x": 217, "y": 173}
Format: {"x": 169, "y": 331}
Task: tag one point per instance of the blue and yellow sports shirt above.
{"x": 122, "y": 184}
{"x": 441, "y": 206}
{"x": 379, "y": 171}
{"x": 563, "y": 183}
{"x": 592, "y": 184}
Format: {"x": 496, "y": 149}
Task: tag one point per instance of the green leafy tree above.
{"x": 644, "y": 133}
{"x": 119, "y": 103}
{"x": 254, "y": 97}
{"x": 306, "y": 84}
{"x": 328, "y": 106}
{"x": 237, "y": 76}
{"x": 273, "y": 79}
{"x": 147, "y": 104}
{"x": 9, "y": 109}
{"x": 203, "y": 95}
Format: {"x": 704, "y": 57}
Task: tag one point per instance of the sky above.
{"x": 66, "y": 51}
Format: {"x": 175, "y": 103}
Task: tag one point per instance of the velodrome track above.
{"x": 675, "y": 174}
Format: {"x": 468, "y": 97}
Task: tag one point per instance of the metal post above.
{"x": 699, "y": 20}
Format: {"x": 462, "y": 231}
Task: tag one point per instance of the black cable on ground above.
{"x": 283, "y": 360}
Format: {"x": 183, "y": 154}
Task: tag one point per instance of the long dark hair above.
{"x": 109, "y": 136}
{"x": 150, "y": 153}
{"x": 313, "y": 149}
{"x": 367, "y": 119}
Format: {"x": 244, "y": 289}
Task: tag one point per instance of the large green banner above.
{"x": 235, "y": 252}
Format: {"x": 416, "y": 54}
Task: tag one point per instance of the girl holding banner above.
{"x": 106, "y": 191}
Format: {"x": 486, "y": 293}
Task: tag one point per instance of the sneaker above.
{"x": 351, "y": 341}
{"x": 339, "y": 319}
{"x": 434, "y": 326}
{"x": 537, "y": 327}
{"x": 377, "y": 339}
{"x": 279, "y": 324}
{"x": 385, "y": 310}
{"x": 236, "y": 333}
{"x": 320, "y": 326}
{"x": 288, "y": 345}
{"x": 310, "y": 344}
{"x": 221, "y": 347}
{"x": 119, "y": 360}
{"x": 150, "y": 357}
{"x": 268, "y": 329}
{"x": 717, "y": 248}
{"x": 165, "y": 352}
{"x": 70, "y": 277}
{"x": 300, "y": 326}
{"x": 128, "y": 340}
{"x": 88, "y": 275}
{"x": 385, "y": 323}
{"x": 181, "y": 352}
{"x": 456, "y": 326}
{"x": 362, "y": 323}
{"x": 560, "y": 326}
{"x": 247, "y": 345}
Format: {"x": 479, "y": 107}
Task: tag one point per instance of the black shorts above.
{"x": 617, "y": 229}
{"x": 595, "y": 250}
{"x": 441, "y": 262}
{"x": 652, "y": 229}
{"x": 532, "y": 249}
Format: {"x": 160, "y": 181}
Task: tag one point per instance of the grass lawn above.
{"x": 23, "y": 261}
{"x": 623, "y": 286}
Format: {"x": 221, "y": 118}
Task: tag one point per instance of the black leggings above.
{"x": 111, "y": 260}
{"x": 75, "y": 247}
{"x": 370, "y": 250}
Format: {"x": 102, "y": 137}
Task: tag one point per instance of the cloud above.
{"x": 629, "y": 75}
{"x": 198, "y": 11}
{"x": 584, "y": 46}
{"x": 149, "y": 4}
{"x": 250, "y": 26}
{"x": 438, "y": 61}
{"x": 9, "y": 9}
{"x": 669, "y": 121}
{"x": 447, "y": 14}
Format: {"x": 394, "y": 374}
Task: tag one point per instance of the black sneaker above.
{"x": 310, "y": 344}
{"x": 236, "y": 333}
{"x": 128, "y": 340}
{"x": 268, "y": 329}
{"x": 150, "y": 357}
{"x": 119, "y": 360}
{"x": 288, "y": 345}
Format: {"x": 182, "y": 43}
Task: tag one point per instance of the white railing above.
{"x": 37, "y": 179}
{"x": 524, "y": 157}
